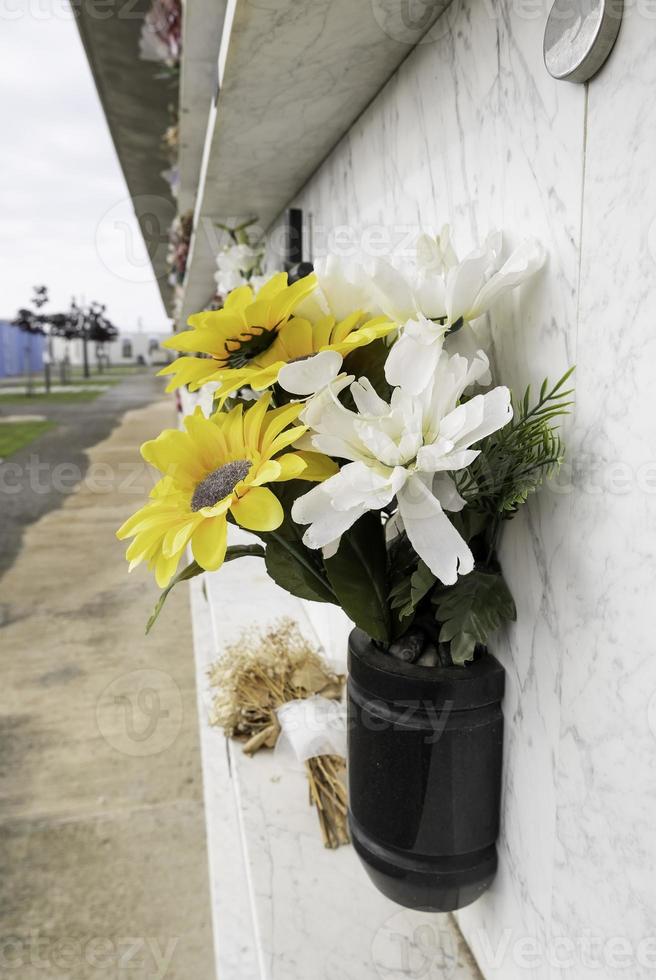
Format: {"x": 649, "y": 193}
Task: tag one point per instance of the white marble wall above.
{"x": 604, "y": 884}
{"x": 473, "y": 131}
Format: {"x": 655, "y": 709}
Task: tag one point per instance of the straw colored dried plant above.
{"x": 263, "y": 670}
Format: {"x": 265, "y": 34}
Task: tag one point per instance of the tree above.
{"x": 87, "y": 323}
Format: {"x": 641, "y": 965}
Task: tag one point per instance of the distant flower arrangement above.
{"x": 371, "y": 383}
{"x": 238, "y": 263}
{"x": 161, "y": 33}
{"x": 178, "y": 251}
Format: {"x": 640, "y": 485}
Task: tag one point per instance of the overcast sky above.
{"x": 61, "y": 186}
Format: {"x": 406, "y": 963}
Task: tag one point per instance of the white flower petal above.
{"x": 432, "y": 534}
{"x": 320, "y": 409}
{"x": 429, "y": 254}
{"x": 522, "y": 264}
{"x": 312, "y": 505}
{"x": 465, "y": 342}
{"x": 463, "y": 419}
{"x": 330, "y": 550}
{"x": 365, "y": 485}
{"x": 464, "y": 283}
{"x": 312, "y": 374}
{"x": 411, "y": 365}
{"x": 444, "y": 488}
{"x": 431, "y": 460}
{"x": 497, "y": 412}
{"x": 331, "y": 525}
{"x": 430, "y": 295}
{"x": 391, "y": 292}
{"x": 327, "y": 524}
{"x": 367, "y": 399}
{"x": 343, "y": 284}
{"x": 322, "y": 442}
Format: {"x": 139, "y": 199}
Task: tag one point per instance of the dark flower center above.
{"x": 241, "y": 350}
{"x": 219, "y": 483}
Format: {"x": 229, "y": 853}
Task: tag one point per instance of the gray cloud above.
{"x": 59, "y": 174}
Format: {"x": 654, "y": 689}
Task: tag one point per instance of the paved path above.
{"x": 42, "y": 475}
{"x": 103, "y": 869}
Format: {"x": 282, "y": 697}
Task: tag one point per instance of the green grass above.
{"x": 40, "y": 398}
{"x": 16, "y": 435}
{"x": 76, "y": 377}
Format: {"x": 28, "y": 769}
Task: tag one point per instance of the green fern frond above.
{"x": 515, "y": 461}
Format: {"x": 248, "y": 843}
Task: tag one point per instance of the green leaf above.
{"x": 411, "y": 580}
{"x": 421, "y": 582}
{"x": 477, "y": 605}
{"x": 297, "y": 569}
{"x": 293, "y": 570}
{"x": 462, "y": 649}
{"x": 193, "y": 569}
{"x": 358, "y": 576}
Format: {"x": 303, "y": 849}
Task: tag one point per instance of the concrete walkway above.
{"x": 103, "y": 870}
{"x": 39, "y": 477}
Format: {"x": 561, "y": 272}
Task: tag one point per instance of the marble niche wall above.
{"x": 473, "y": 131}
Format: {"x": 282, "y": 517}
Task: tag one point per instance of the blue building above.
{"x": 20, "y": 352}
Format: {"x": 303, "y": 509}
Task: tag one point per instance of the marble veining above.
{"x": 605, "y": 856}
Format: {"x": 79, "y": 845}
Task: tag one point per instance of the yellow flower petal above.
{"x": 286, "y": 439}
{"x": 276, "y": 421}
{"x": 165, "y": 569}
{"x": 317, "y": 466}
{"x": 295, "y": 338}
{"x": 253, "y": 419}
{"x": 290, "y": 467}
{"x": 268, "y": 472}
{"x": 188, "y": 370}
{"x": 266, "y": 377}
{"x": 345, "y": 327}
{"x": 273, "y": 286}
{"x": 144, "y": 541}
{"x": 177, "y": 537}
{"x": 232, "y": 426}
{"x": 238, "y": 299}
{"x": 209, "y": 543}
{"x": 323, "y": 332}
{"x": 286, "y": 302}
{"x": 258, "y": 510}
{"x": 173, "y": 452}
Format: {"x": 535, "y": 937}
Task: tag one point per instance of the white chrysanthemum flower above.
{"x": 405, "y": 449}
{"x": 438, "y": 291}
{"x": 235, "y": 263}
{"x": 341, "y": 290}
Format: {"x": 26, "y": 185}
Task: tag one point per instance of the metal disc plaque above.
{"x": 579, "y": 36}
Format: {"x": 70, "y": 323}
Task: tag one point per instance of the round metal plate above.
{"x": 579, "y": 36}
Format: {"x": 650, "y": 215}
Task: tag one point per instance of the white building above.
{"x": 130, "y": 347}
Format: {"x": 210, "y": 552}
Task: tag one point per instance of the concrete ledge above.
{"x": 202, "y": 24}
{"x": 284, "y": 907}
{"x": 135, "y": 103}
{"x": 293, "y": 76}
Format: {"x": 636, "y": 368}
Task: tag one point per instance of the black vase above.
{"x": 424, "y": 771}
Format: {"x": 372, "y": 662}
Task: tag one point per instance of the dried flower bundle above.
{"x": 263, "y": 670}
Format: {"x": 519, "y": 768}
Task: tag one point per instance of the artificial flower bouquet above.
{"x": 239, "y": 261}
{"x": 161, "y": 34}
{"x": 359, "y": 435}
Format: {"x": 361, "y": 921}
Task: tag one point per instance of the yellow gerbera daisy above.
{"x": 246, "y": 327}
{"x": 217, "y": 466}
{"x": 257, "y": 362}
